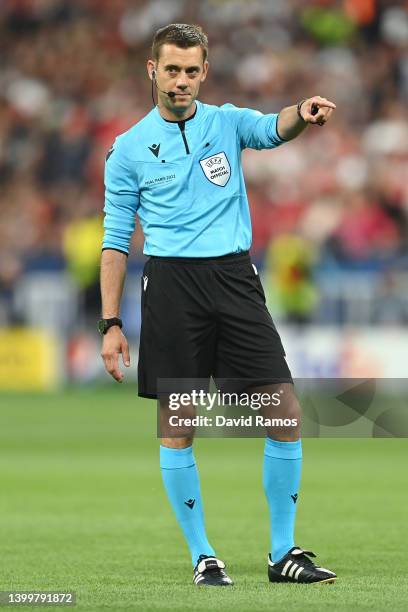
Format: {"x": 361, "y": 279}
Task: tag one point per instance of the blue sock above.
{"x": 180, "y": 477}
{"x": 281, "y": 479}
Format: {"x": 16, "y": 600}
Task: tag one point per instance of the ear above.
{"x": 205, "y": 71}
{"x": 151, "y": 69}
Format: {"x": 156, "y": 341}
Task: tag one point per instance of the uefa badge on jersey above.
{"x": 217, "y": 169}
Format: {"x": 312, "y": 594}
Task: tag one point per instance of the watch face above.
{"x": 102, "y": 326}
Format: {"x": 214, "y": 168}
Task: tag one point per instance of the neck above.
{"x": 183, "y": 115}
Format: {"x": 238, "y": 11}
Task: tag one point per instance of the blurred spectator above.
{"x": 72, "y": 76}
{"x": 292, "y": 289}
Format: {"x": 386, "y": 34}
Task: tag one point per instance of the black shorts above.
{"x": 206, "y": 317}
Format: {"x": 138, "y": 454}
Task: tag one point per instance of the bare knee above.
{"x": 175, "y": 429}
{"x": 285, "y": 416}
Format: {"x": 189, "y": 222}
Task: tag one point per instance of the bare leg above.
{"x": 289, "y": 408}
{"x": 176, "y": 436}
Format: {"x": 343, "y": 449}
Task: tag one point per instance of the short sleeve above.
{"x": 255, "y": 130}
{"x": 121, "y": 200}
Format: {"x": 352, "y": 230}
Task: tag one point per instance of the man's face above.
{"x": 181, "y": 71}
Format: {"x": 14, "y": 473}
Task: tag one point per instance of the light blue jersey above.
{"x": 184, "y": 181}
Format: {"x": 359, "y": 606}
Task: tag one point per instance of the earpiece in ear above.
{"x": 153, "y": 74}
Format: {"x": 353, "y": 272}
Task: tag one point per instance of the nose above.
{"x": 181, "y": 82}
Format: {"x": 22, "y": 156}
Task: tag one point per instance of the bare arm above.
{"x": 314, "y": 110}
{"x": 113, "y": 273}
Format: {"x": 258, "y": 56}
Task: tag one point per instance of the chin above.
{"x": 182, "y": 105}
{"x": 180, "y": 102}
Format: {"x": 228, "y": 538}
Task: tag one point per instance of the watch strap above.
{"x": 105, "y": 324}
{"x": 298, "y": 107}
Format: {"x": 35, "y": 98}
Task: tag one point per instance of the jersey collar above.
{"x": 190, "y": 122}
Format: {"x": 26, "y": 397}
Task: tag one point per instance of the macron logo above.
{"x": 155, "y": 149}
{"x": 145, "y": 281}
{"x": 190, "y": 503}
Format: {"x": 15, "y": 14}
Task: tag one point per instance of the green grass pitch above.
{"x": 82, "y": 508}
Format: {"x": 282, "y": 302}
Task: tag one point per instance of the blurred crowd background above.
{"x": 329, "y": 210}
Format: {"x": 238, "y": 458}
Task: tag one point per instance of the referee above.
{"x": 203, "y": 307}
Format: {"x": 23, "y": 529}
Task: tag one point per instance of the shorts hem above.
{"x": 254, "y": 382}
{"x": 147, "y": 395}
{"x": 270, "y": 381}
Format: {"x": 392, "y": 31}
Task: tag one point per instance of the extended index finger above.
{"x": 323, "y": 102}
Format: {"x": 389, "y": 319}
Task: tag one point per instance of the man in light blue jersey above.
{"x": 178, "y": 170}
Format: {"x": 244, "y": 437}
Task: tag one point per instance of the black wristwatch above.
{"x": 105, "y": 324}
{"x": 298, "y": 107}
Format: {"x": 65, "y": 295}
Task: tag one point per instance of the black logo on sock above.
{"x": 294, "y": 497}
{"x": 190, "y": 503}
{"x": 155, "y": 149}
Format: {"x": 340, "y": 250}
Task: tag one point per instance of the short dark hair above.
{"x": 182, "y": 35}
